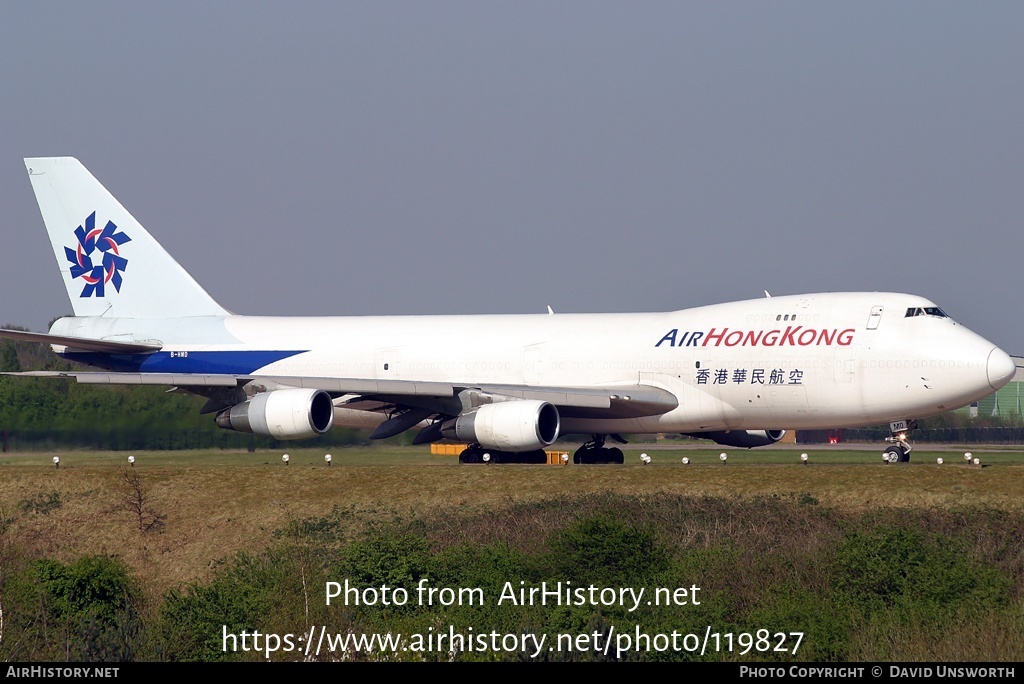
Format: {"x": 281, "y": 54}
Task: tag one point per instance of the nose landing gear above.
{"x": 899, "y": 449}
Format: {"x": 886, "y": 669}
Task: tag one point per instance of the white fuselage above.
{"x": 810, "y": 361}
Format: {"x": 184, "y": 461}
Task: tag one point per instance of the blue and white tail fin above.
{"x": 111, "y": 265}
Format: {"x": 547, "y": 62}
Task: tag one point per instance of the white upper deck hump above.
{"x": 110, "y": 264}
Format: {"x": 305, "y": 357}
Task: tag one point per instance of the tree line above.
{"x": 43, "y": 414}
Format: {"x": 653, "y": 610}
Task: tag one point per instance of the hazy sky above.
{"x": 472, "y": 157}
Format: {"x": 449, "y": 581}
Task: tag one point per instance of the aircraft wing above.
{"x": 618, "y": 401}
{"x": 104, "y": 378}
{"x": 626, "y": 401}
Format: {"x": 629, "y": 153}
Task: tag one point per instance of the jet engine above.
{"x": 746, "y": 439}
{"x": 518, "y": 425}
{"x": 282, "y": 414}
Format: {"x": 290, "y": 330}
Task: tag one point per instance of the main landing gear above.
{"x": 595, "y": 451}
{"x": 899, "y": 449}
{"x": 475, "y": 453}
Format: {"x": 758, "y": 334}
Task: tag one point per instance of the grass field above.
{"x": 214, "y": 503}
{"x": 758, "y": 521}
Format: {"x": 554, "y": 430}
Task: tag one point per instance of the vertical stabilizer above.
{"x": 110, "y": 264}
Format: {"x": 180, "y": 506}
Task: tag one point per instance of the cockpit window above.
{"x": 926, "y": 311}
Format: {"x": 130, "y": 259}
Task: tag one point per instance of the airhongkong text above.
{"x": 792, "y": 336}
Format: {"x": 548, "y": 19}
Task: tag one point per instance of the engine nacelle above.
{"x": 745, "y": 439}
{"x": 282, "y": 414}
{"x": 517, "y": 425}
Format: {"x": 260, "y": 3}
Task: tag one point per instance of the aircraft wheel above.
{"x": 535, "y": 457}
{"x": 470, "y": 455}
{"x": 893, "y": 454}
{"x": 602, "y": 455}
{"x": 522, "y": 457}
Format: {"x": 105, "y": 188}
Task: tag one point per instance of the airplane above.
{"x": 507, "y": 385}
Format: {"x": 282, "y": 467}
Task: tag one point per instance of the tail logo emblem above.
{"x": 103, "y": 245}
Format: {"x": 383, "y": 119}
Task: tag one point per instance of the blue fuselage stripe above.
{"x": 210, "y": 362}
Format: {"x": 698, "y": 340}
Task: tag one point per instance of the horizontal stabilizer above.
{"x": 83, "y": 343}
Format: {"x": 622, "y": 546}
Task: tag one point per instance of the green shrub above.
{"x": 901, "y": 568}
{"x": 603, "y": 550}
{"x": 87, "y": 610}
{"x": 242, "y": 596}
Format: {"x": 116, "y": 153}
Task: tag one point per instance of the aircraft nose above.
{"x": 1001, "y": 368}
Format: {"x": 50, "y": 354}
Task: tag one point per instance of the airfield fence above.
{"x": 161, "y": 440}
{"x": 962, "y": 435}
{"x": 177, "y": 440}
